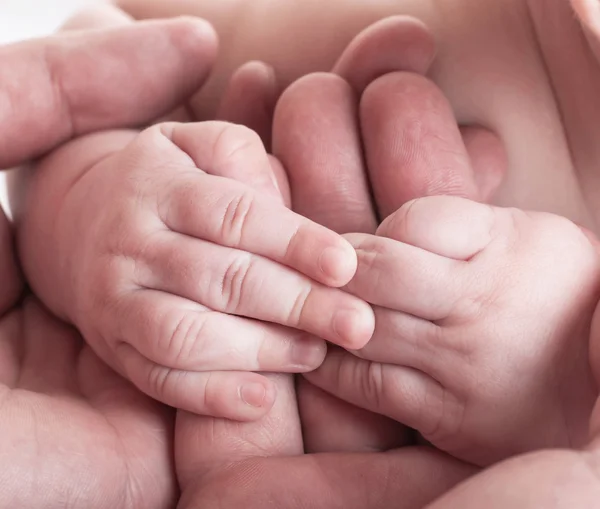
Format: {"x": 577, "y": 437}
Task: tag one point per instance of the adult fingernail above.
{"x": 354, "y": 327}
{"x": 338, "y": 264}
{"x": 253, "y": 394}
{"x": 308, "y": 353}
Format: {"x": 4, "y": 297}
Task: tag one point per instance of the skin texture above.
{"x": 483, "y": 318}
{"x": 72, "y": 432}
{"x": 250, "y": 440}
{"x": 525, "y": 69}
{"x": 163, "y": 286}
{"x": 264, "y": 475}
{"x": 567, "y": 479}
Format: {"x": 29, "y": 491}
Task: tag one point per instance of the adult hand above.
{"x": 413, "y": 147}
{"x": 71, "y": 431}
{"x": 241, "y": 464}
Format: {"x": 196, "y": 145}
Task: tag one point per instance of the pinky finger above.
{"x": 404, "y": 394}
{"x": 232, "y": 395}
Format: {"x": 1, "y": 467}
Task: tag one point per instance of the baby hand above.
{"x": 482, "y": 324}
{"x": 171, "y": 269}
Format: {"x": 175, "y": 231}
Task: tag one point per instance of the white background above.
{"x": 22, "y": 19}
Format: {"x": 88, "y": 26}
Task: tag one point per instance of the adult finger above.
{"x": 204, "y": 445}
{"x": 488, "y": 160}
{"x": 330, "y": 424}
{"x": 414, "y": 147}
{"x": 79, "y": 82}
{"x": 396, "y": 43}
{"x": 10, "y": 273}
{"x": 250, "y": 99}
{"x": 408, "y": 478}
{"x": 316, "y": 137}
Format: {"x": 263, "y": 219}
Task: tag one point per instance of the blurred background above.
{"x": 20, "y": 19}
{"x": 23, "y": 19}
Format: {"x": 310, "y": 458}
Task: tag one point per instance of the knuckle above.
{"x": 233, "y": 141}
{"x": 442, "y": 415}
{"x": 161, "y": 380}
{"x": 296, "y": 313}
{"x": 400, "y": 223}
{"x": 175, "y": 200}
{"x": 182, "y": 337}
{"x": 373, "y": 384}
{"x": 233, "y": 285}
{"x": 211, "y": 396}
{"x": 235, "y": 218}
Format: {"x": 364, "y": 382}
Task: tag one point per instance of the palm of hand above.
{"x": 73, "y": 431}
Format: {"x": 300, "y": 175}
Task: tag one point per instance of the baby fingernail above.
{"x": 308, "y": 353}
{"x": 253, "y": 394}
{"x": 338, "y": 264}
{"x": 354, "y": 327}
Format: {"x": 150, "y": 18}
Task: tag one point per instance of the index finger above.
{"x": 65, "y": 85}
{"x": 207, "y": 205}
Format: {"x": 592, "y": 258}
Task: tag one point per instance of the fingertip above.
{"x": 308, "y": 353}
{"x": 250, "y": 98}
{"x": 396, "y": 43}
{"x": 194, "y": 36}
{"x": 195, "y": 30}
{"x": 338, "y": 264}
{"x": 489, "y": 159}
{"x": 354, "y": 327}
{"x": 256, "y": 398}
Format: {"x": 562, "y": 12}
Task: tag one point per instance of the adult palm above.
{"x": 72, "y": 433}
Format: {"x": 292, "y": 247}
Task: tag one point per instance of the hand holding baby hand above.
{"x": 459, "y": 291}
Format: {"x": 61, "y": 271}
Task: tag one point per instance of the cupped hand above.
{"x": 73, "y": 432}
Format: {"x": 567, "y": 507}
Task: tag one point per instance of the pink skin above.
{"x": 482, "y": 328}
{"x": 225, "y": 461}
{"x": 175, "y": 332}
{"x": 430, "y": 473}
{"x": 186, "y": 262}
{"x": 579, "y": 278}
{"x": 526, "y": 69}
{"x": 469, "y": 429}
{"x": 73, "y": 432}
{"x": 364, "y": 483}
